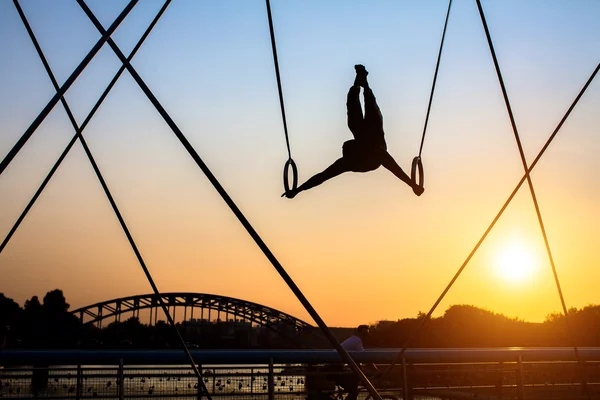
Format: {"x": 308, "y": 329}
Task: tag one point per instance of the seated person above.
{"x": 348, "y": 380}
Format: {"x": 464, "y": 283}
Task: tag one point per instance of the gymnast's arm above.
{"x": 388, "y": 162}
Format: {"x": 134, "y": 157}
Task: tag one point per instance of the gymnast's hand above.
{"x": 418, "y": 190}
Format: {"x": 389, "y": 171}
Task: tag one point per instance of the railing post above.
{"x": 79, "y": 384}
{"x": 406, "y": 392}
{"x": 199, "y": 394}
{"x": 499, "y": 381}
{"x": 271, "y": 380}
{"x": 252, "y": 381}
{"x": 520, "y": 387}
{"x": 121, "y": 381}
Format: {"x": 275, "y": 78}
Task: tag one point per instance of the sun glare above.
{"x": 515, "y": 263}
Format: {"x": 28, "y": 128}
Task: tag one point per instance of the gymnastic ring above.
{"x": 417, "y": 166}
{"x": 286, "y": 177}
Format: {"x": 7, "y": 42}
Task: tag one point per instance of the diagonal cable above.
{"x": 251, "y": 231}
{"x": 85, "y": 122}
{"x": 145, "y": 268}
{"x": 105, "y": 186}
{"x": 533, "y": 195}
{"x": 63, "y": 89}
{"x": 497, "y": 217}
{"x": 435, "y": 74}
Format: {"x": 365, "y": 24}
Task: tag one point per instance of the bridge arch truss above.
{"x": 201, "y": 306}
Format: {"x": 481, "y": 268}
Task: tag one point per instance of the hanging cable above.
{"x": 435, "y": 74}
{"x": 533, "y": 195}
{"x": 416, "y": 170}
{"x": 105, "y": 186}
{"x": 495, "y": 220}
{"x": 290, "y": 162}
{"x": 233, "y": 207}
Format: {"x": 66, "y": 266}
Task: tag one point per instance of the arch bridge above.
{"x": 208, "y": 307}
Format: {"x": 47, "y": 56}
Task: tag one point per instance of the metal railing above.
{"x": 515, "y": 373}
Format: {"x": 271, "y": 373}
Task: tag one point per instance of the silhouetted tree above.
{"x": 32, "y": 304}
{"x": 10, "y": 312}
{"x": 470, "y": 326}
{"x": 55, "y": 302}
{"x": 10, "y": 319}
{"x": 126, "y": 334}
{"x": 584, "y": 326}
{"x": 50, "y": 325}
{"x": 35, "y": 324}
{"x": 63, "y": 327}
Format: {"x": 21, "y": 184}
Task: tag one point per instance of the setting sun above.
{"x": 515, "y": 263}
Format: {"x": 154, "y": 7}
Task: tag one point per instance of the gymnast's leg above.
{"x": 373, "y": 114}
{"x": 354, "y": 111}
{"x": 373, "y": 120}
{"x": 338, "y": 167}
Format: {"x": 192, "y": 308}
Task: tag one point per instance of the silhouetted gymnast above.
{"x": 368, "y": 150}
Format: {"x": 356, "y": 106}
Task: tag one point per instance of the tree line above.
{"x": 470, "y": 326}
{"x": 48, "y": 324}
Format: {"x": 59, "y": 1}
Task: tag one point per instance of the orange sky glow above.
{"x": 362, "y": 247}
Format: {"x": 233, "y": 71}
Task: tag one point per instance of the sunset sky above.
{"x": 362, "y": 247}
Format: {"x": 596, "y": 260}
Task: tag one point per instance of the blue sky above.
{"x": 210, "y": 66}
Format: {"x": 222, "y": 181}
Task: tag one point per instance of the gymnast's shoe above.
{"x": 418, "y": 190}
{"x": 360, "y": 70}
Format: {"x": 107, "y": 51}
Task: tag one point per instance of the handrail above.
{"x": 254, "y": 357}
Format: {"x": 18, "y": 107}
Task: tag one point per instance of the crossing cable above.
{"x": 290, "y": 162}
{"x": 533, "y": 195}
{"x": 417, "y": 163}
{"x": 83, "y": 125}
{"x": 496, "y": 218}
{"x": 237, "y": 212}
{"x": 63, "y": 89}
{"x": 105, "y": 187}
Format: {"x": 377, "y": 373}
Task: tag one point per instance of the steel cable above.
{"x": 290, "y": 162}
{"x": 498, "y": 215}
{"x": 63, "y": 89}
{"x": 105, "y": 186}
{"x": 237, "y": 212}
{"x": 435, "y": 74}
{"x": 532, "y": 190}
{"x": 83, "y": 125}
